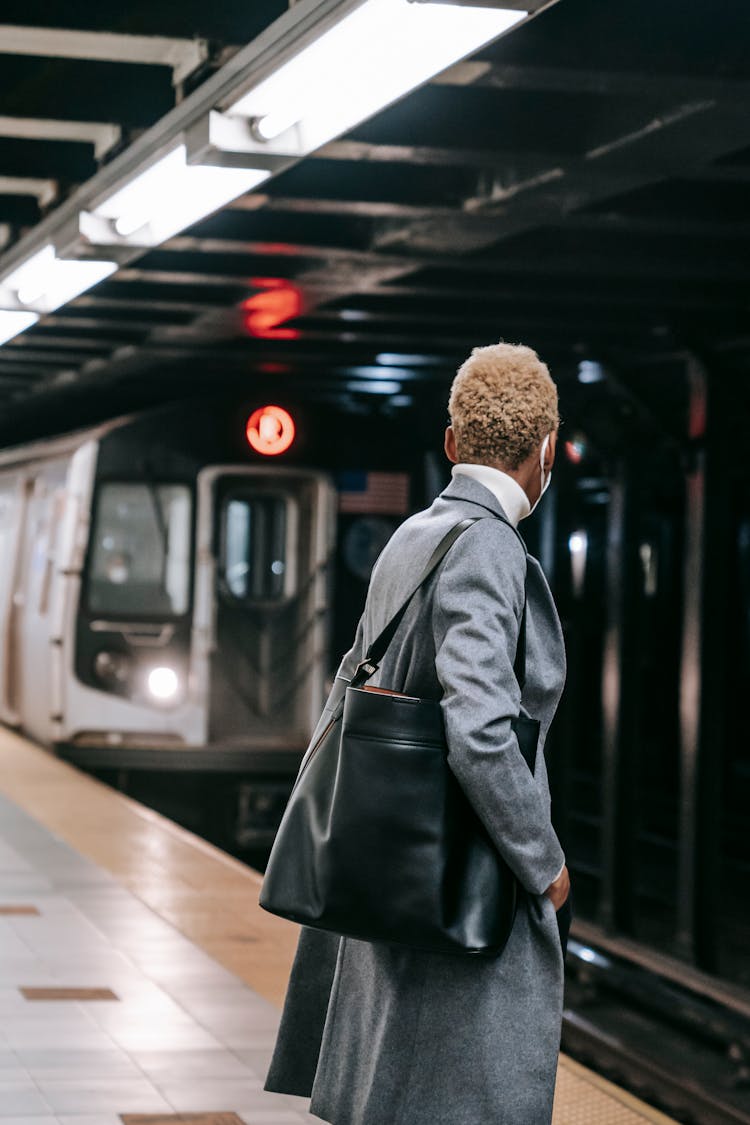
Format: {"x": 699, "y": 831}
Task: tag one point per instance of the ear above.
{"x": 551, "y": 448}
{"x": 450, "y": 445}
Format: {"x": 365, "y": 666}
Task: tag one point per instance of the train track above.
{"x": 667, "y": 1036}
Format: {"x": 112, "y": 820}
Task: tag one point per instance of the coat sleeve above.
{"x": 476, "y": 619}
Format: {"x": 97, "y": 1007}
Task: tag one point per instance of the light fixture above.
{"x": 163, "y": 683}
{"x": 585, "y": 953}
{"x": 165, "y": 198}
{"x": 589, "y": 371}
{"x": 11, "y": 323}
{"x": 270, "y": 430}
{"x": 578, "y": 544}
{"x": 373, "y": 386}
{"x": 406, "y": 359}
{"x": 44, "y": 282}
{"x": 369, "y": 58}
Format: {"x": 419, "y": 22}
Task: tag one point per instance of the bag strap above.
{"x": 375, "y": 653}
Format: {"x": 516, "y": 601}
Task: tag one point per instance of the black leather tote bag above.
{"x": 378, "y": 840}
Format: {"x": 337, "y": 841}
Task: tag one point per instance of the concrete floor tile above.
{"x": 140, "y": 1038}
{"x": 22, "y": 1098}
{"x": 254, "y": 1109}
{"x": 11, "y": 1001}
{"x": 298, "y": 1104}
{"x": 260, "y": 1040}
{"x": 49, "y": 1064}
{"x": 30, "y": 1120}
{"x": 103, "y": 1095}
{"x": 220, "y": 1095}
{"x": 23, "y": 970}
{"x": 273, "y": 1117}
{"x": 44, "y": 1033}
{"x": 88, "y": 1119}
{"x": 169, "y": 1066}
{"x": 49, "y": 1016}
{"x": 258, "y": 1059}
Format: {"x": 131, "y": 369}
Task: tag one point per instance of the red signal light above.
{"x": 270, "y": 430}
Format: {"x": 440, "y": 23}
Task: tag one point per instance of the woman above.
{"x": 385, "y": 1035}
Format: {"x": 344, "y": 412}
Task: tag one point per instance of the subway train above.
{"x": 166, "y": 595}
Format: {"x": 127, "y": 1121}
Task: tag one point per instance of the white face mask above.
{"x": 545, "y": 483}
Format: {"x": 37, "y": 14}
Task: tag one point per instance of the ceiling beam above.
{"x": 574, "y": 263}
{"x": 487, "y": 302}
{"x": 23, "y": 375}
{"x": 572, "y": 80}
{"x": 183, "y": 56}
{"x": 356, "y": 208}
{"x": 95, "y": 301}
{"x": 101, "y": 135}
{"x": 685, "y": 135}
{"x": 613, "y": 221}
{"x": 112, "y": 326}
{"x": 719, "y": 173}
{"x": 656, "y": 225}
{"x": 50, "y": 340}
{"x": 44, "y": 191}
{"x": 13, "y": 352}
{"x": 364, "y": 152}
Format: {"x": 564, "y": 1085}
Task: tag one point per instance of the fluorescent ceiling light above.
{"x": 403, "y": 359}
{"x": 374, "y": 55}
{"x": 374, "y": 386}
{"x": 11, "y": 323}
{"x": 46, "y": 282}
{"x": 28, "y": 279}
{"x": 169, "y": 196}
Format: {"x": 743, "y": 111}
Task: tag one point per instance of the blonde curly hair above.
{"x": 502, "y": 403}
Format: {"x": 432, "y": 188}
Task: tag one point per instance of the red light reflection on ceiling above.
{"x": 279, "y": 300}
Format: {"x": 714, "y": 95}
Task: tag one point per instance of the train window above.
{"x": 254, "y": 555}
{"x": 140, "y": 550}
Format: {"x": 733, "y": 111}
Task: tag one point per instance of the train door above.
{"x": 32, "y": 598}
{"x": 267, "y": 576}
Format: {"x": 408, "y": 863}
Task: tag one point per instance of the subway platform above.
{"x": 140, "y": 982}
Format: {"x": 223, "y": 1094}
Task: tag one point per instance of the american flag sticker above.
{"x": 374, "y": 493}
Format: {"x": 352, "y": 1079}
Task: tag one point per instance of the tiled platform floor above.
{"x": 184, "y": 1035}
{"x": 102, "y": 895}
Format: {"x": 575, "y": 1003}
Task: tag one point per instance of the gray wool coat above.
{"x": 381, "y": 1035}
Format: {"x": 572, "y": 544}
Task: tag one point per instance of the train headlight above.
{"x": 163, "y": 684}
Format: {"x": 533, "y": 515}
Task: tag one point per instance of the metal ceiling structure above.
{"x": 581, "y": 185}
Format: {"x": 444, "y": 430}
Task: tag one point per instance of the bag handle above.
{"x": 375, "y": 653}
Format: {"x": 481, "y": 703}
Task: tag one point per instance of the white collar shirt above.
{"x": 512, "y": 497}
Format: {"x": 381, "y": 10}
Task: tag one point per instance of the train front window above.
{"x": 140, "y": 550}
{"x": 254, "y": 547}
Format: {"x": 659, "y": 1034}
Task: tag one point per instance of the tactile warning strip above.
{"x": 584, "y": 1098}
